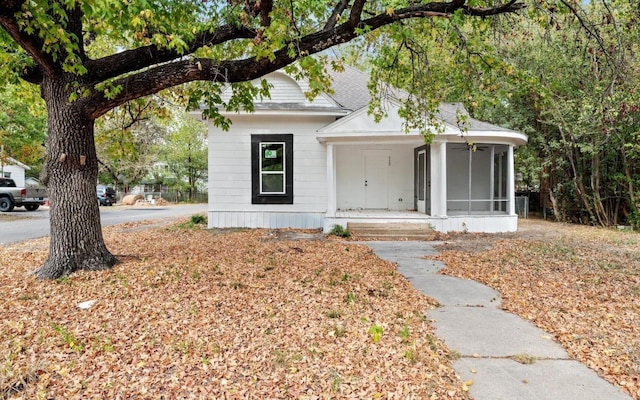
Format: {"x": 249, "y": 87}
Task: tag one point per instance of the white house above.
{"x": 14, "y": 169}
{"x": 314, "y": 164}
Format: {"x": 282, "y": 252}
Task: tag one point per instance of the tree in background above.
{"x": 127, "y": 139}
{"x": 574, "y": 92}
{"x": 23, "y": 125}
{"x": 184, "y": 153}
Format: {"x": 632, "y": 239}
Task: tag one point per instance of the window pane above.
{"x": 272, "y": 156}
{"x": 272, "y": 169}
{"x": 272, "y": 183}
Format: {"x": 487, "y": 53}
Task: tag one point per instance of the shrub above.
{"x": 198, "y": 219}
{"x": 338, "y": 230}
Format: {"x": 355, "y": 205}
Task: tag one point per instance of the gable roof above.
{"x": 350, "y": 88}
{"x": 12, "y": 161}
{"x": 351, "y": 92}
{"x": 287, "y": 95}
{"x": 348, "y": 102}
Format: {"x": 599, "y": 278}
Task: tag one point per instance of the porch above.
{"x": 481, "y": 222}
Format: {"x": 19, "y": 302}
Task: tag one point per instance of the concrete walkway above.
{"x": 490, "y": 340}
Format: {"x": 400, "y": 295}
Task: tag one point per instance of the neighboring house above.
{"x": 315, "y": 164}
{"x": 14, "y": 169}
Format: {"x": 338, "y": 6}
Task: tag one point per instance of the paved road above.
{"x": 22, "y": 225}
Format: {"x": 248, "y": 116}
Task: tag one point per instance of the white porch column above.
{"x": 439, "y": 179}
{"x": 331, "y": 181}
{"x": 511, "y": 177}
{"x": 443, "y": 179}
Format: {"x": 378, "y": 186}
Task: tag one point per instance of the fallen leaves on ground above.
{"x": 579, "y": 283}
{"x": 192, "y": 313}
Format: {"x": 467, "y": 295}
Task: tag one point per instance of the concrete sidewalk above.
{"x": 490, "y": 340}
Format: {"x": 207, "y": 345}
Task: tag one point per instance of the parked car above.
{"x": 30, "y": 197}
{"x": 106, "y": 195}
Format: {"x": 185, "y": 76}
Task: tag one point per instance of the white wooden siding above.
{"x": 16, "y": 173}
{"x": 230, "y": 173}
{"x": 271, "y": 220}
{"x": 285, "y": 89}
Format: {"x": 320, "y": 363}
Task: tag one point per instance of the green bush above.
{"x": 198, "y": 219}
{"x": 338, "y": 230}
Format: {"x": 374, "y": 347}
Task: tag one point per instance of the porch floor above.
{"x": 382, "y": 214}
{"x": 489, "y": 222}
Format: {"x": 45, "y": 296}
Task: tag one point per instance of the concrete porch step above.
{"x": 391, "y": 230}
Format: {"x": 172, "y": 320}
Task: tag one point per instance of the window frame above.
{"x": 257, "y": 196}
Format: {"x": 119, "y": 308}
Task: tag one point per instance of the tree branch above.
{"x": 143, "y": 57}
{"x": 355, "y": 16}
{"x": 508, "y": 7}
{"x": 32, "y": 44}
{"x": 266, "y": 6}
{"x": 9, "y": 7}
{"x": 168, "y": 75}
{"x": 335, "y": 14}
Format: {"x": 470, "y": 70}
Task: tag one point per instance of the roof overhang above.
{"x": 413, "y": 137}
{"x": 14, "y": 162}
{"x": 297, "y": 112}
{"x": 371, "y": 138}
{"x": 493, "y": 137}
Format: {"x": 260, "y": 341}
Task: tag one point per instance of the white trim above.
{"x": 295, "y": 112}
{"x": 439, "y": 181}
{"x": 511, "y": 178}
{"x": 331, "y": 181}
{"x": 494, "y": 223}
{"x": 357, "y": 137}
{"x": 261, "y": 172}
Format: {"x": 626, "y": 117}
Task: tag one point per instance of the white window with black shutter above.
{"x": 272, "y": 169}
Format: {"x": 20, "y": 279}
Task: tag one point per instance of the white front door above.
{"x": 421, "y": 181}
{"x": 376, "y": 178}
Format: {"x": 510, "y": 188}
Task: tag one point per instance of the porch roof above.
{"x": 361, "y": 127}
{"x": 414, "y": 138}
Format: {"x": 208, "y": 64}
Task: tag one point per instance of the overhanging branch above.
{"x": 143, "y": 57}
{"x": 168, "y": 75}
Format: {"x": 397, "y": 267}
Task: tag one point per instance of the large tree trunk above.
{"x": 70, "y": 175}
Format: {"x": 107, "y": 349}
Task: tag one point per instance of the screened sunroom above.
{"x": 478, "y": 179}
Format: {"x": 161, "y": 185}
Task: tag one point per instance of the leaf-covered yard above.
{"x": 579, "y": 283}
{"x": 192, "y": 313}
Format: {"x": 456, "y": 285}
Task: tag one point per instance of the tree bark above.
{"x": 70, "y": 175}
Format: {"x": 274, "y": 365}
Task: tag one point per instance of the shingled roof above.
{"x": 351, "y": 92}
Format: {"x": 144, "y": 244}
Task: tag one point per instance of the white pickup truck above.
{"x": 30, "y": 197}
